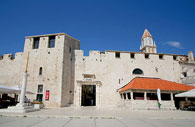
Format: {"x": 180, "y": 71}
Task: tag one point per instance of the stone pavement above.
{"x": 95, "y": 117}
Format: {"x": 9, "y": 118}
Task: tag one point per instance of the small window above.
{"x": 51, "y": 42}
{"x": 40, "y": 71}
{"x": 117, "y": 54}
{"x": 160, "y": 56}
{"x": 185, "y": 74}
{"x": 137, "y": 71}
{"x": 40, "y": 88}
{"x": 174, "y": 57}
{"x": 156, "y": 69}
{"x": 147, "y": 56}
{"x": 132, "y": 55}
{"x": 70, "y": 49}
{"x": 36, "y": 43}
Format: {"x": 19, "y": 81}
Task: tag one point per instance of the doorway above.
{"x": 88, "y": 96}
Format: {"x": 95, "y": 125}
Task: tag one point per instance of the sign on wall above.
{"x": 47, "y": 95}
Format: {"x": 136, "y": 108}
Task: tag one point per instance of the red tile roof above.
{"x": 146, "y": 34}
{"x": 142, "y": 83}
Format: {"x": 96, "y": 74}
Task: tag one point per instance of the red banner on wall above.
{"x": 47, "y": 95}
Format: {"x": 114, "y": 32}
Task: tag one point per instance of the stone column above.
{"x": 121, "y": 96}
{"x": 145, "y": 96}
{"x": 172, "y": 97}
{"x": 131, "y": 95}
{"x": 80, "y": 88}
{"x": 23, "y": 90}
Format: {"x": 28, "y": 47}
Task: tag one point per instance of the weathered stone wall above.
{"x": 114, "y": 72}
{"x": 189, "y": 70}
{"x": 56, "y": 64}
{"x": 10, "y": 69}
{"x": 70, "y": 45}
{"x": 148, "y": 104}
{"x": 50, "y": 59}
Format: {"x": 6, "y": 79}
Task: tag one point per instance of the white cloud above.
{"x": 175, "y": 44}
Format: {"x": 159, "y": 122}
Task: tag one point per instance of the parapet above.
{"x": 11, "y": 56}
{"x": 109, "y": 54}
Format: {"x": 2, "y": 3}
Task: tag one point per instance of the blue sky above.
{"x": 100, "y": 24}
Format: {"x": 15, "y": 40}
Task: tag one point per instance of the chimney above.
{"x": 190, "y": 57}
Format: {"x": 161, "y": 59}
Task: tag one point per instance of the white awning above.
{"x": 190, "y": 93}
{"x": 11, "y": 89}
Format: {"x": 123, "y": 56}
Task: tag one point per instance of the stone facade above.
{"x": 114, "y": 72}
{"x": 56, "y": 63}
{"x": 62, "y": 69}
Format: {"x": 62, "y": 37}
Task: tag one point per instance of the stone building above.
{"x": 60, "y": 75}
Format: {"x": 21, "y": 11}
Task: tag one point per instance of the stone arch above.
{"x": 137, "y": 71}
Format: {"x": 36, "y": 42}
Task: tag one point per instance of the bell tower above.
{"x": 147, "y": 43}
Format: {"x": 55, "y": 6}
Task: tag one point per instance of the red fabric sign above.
{"x": 47, "y": 95}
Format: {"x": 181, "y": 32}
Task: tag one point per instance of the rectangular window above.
{"x": 174, "y": 57}
{"x": 184, "y": 74}
{"x": 160, "y": 56}
{"x": 117, "y": 54}
{"x": 147, "y": 56}
{"x": 132, "y": 55}
{"x": 40, "y": 88}
{"x": 40, "y": 93}
{"x": 51, "y": 42}
{"x": 36, "y": 43}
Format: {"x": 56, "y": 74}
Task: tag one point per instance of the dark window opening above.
{"x": 174, "y": 57}
{"x": 40, "y": 93}
{"x": 184, "y": 74}
{"x": 70, "y": 49}
{"x": 117, "y": 54}
{"x": 160, "y": 56}
{"x": 36, "y": 43}
{"x": 119, "y": 81}
{"x": 156, "y": 69}
{"x": 152, "y": 96}
{"x": 137, "y": 71}
{"x": 124, "y": 95}
{"x": 138, "y": 96}
{"x": 165, "y": 96}
{"x": 51, "y": 42}
{"x": 147, "y": 56}
{"x": 129, "y": 96}
{"x": 40, "y": 88}
{"x": 132, "y": 55}
{"x": 40, "y": 70}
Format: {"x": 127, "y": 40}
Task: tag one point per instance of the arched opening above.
{"x": 40, "y": 71}
{"x": 137, "y": 71}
